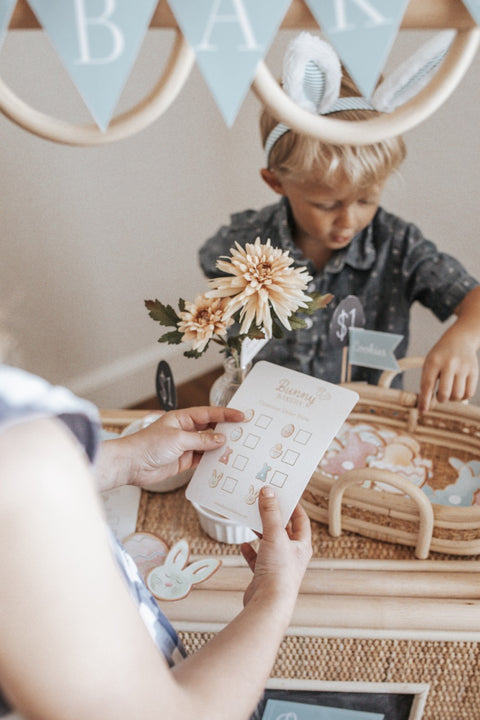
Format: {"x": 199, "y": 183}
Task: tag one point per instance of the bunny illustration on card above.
{"x": 175, "y": 578}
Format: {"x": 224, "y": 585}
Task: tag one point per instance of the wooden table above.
{"x": 370, "y": 618}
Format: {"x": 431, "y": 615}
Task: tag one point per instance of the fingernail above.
{"x": 267, "y": 491}
{"x": 219, "y": 438}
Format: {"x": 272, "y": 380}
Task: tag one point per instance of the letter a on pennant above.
{"x": 229, "y": 38}
{"x": 98, "y": 42}
{"x": 6, "y": 11}
{"x": 362, "y": 32}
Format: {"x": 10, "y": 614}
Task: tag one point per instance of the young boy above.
{"x": 329, "y": 219}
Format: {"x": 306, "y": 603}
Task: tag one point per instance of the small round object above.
{"x": 287, "y": 430}
{"x": 276, "y": 450}
{"x": 236, "y": 434}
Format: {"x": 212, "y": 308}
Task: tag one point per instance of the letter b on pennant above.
{"x": 98, "y": 42}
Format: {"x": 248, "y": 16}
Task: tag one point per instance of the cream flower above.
{"x": 202, "y": 319}
{"x": 260, "y": 278}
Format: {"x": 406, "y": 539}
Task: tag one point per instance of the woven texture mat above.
{"x": 171, "y": 517}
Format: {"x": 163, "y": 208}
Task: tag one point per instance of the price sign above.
{"x": 165, "y": 385}
{"x": 349, "y": 313}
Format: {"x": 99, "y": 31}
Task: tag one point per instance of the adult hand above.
{"x": 283, "y": 554}
{"x": 171, "y": 444}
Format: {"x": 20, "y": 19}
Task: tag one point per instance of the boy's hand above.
{"x": 450, "y": 370}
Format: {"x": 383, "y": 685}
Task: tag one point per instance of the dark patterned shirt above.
{"x": 388, "y": 266}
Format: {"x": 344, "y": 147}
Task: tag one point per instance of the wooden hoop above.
{"x": 356, "y": 477}
{"x": 364, "y": 132}
{"x": 137, "y": 118}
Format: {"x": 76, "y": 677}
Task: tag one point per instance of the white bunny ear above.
{"x": 311, "y": 73}
{"x": 200, "y": 570}
{"x": 178, "y": 555}
{"x": 413, "y": 74}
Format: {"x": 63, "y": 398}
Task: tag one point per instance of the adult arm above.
{"x": 73, "y": 643}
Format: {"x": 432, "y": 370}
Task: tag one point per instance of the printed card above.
{"x": 284, "y": 710}
{"x": 290, "y": 420}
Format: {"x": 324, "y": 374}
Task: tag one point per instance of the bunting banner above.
{"x": 362, "y": 32}
{"x": 373, "y": 349}
{"x": 6, "y": 11}
{"x": 98, "y": 42}
{"x": 473, "y": 7}
{"x": 229, "y": 38}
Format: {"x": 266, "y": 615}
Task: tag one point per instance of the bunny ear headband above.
{"x": 312, "y": 76}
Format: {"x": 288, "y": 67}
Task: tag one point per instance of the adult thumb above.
{"x": 269, "y": 509}
{"x": 202, "y": 440}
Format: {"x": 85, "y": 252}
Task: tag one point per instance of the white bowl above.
{"x": 221, "y": 528}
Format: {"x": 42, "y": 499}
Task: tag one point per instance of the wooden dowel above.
{"x": 384, "y": 583}
{"x": 339, "y": 612}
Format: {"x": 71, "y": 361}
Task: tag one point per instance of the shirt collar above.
{"x": 360, "y": 254}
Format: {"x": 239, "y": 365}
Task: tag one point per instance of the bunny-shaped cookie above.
{"x": 174, "y": 579}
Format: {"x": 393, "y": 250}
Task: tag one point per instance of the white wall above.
{"x": 88, "y": 233}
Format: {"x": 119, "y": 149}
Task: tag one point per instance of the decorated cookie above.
{"x": 174, "y": 579}
{"x": 146, "y": 550}
{"x": 464, "y": 491}
{"x": 353, "y": 455}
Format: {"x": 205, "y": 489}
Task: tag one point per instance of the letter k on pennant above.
{"x": 362, "y": 32}
{"x": 229, "y": 38}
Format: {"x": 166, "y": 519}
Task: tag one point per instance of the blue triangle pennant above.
{"x": 98, "y": 43}
{"x": 362, "y": 32}
{"x": 6, "y": 11}
{"x": 473, "y": 7}
{"x": 229, "y": 38}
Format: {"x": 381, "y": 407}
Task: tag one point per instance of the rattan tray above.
{"x": 398, "y": 501}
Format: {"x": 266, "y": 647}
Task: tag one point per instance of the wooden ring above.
{"x": 365, "y": 132}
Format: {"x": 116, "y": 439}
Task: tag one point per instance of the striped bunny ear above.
{"x": 413, "y": 74}
{"x": 311, "y": 73}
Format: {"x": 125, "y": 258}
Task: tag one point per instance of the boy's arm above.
{"x": 450, "y": 371}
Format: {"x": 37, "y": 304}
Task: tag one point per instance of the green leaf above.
{"x": 173, "y": 338}
{"x": 235, "y": 344}
{"x": 194, "y": 353}
{"x": 181, "y": 305}
{"x": 296, "y": 323}
{"x": 319, "y": 302}
{"x": 164, "y": 314}
{"x": 277, "y": 330}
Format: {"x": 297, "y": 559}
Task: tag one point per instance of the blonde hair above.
{"x": 296, "y": 156}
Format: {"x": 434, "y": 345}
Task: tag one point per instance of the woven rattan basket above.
{"x": 356, "y": 486}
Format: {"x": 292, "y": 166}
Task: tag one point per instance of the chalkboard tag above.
{"x": 165, "y": 386}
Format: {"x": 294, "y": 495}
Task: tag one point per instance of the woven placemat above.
{"x": 172, "y": 517}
